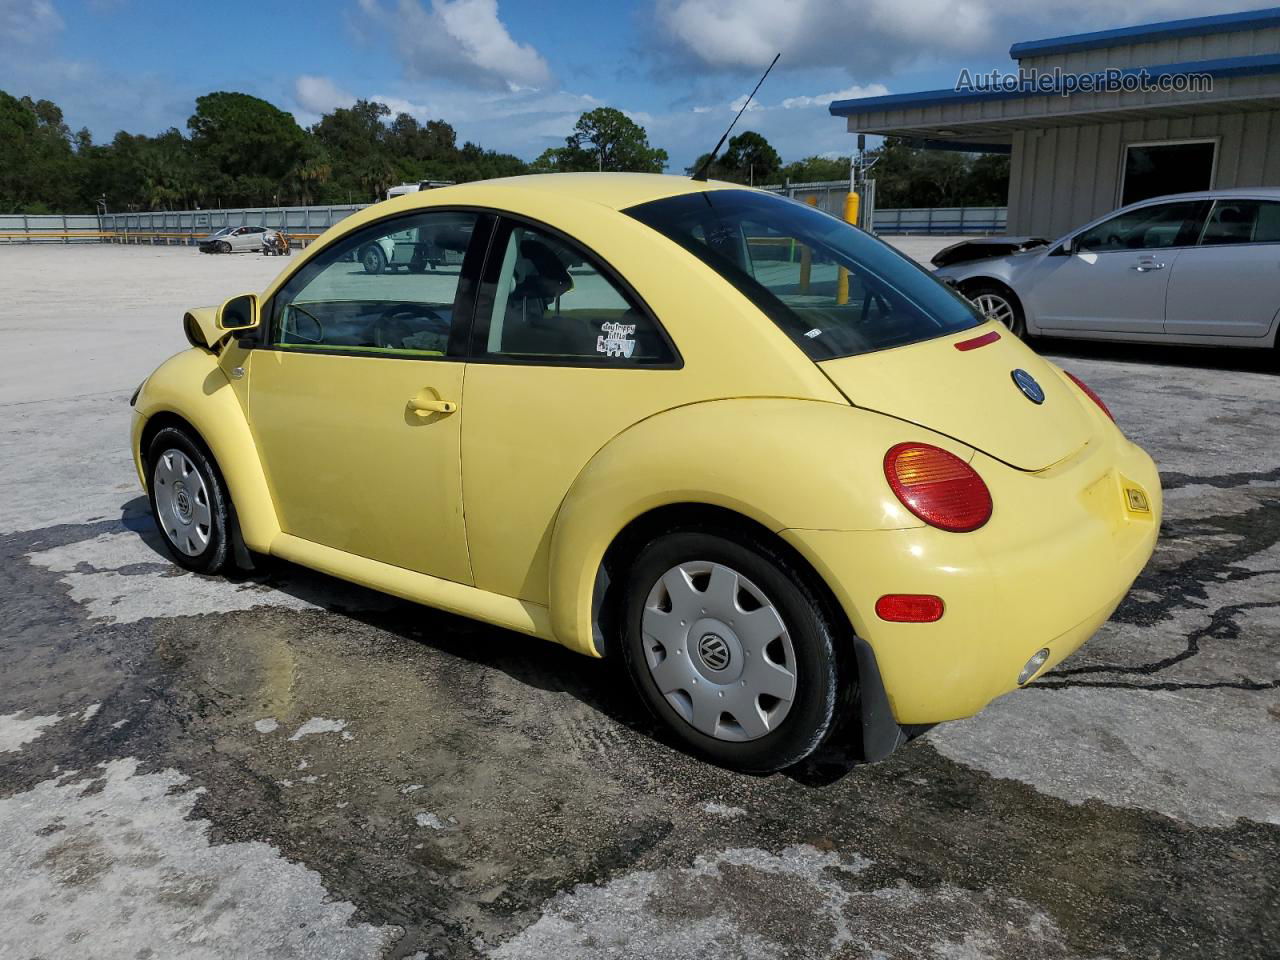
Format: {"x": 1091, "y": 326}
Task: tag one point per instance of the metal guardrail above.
{"x": 304, "y": 224}
{"x": 828, "y": 195}
{"x": 942, "y": 220}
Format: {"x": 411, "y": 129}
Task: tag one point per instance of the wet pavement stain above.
{"x": 1232, "y": 539}
{"x": 538, "y": 777}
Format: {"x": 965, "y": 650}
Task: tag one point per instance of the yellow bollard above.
{"x": 842, "y": 276}
{"x": 806, "y": 258}
{"x": 851, "y": 207}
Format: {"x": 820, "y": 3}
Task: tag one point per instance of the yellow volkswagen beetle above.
{"x": 786, "y": 475}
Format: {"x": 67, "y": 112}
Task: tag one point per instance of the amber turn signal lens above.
{"x": 909, "y": 608}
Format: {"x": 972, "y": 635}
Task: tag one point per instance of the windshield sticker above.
{"x": 615, "y": 340}
{"x": 815, "y": 332}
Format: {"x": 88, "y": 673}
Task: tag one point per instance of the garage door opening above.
{"x": 1157, "y": 169}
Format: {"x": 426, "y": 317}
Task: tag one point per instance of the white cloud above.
{"x": 745, "y": 34}
{"x": 459, "y": 40}
{"x": 523, "y": 121}
{"x": 796, "y": 127}
{"x": 856, "y": 92}
{"x": 866, "y": 38}
{"x": 317, "y": 95}
{"x": 28, "y": 22}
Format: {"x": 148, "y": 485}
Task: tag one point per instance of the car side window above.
{"x": 549, "y": 301}
{"x": 408, "y": 306}
{"x": 1242, "y": 221}
{"x": 1147, "y": 228}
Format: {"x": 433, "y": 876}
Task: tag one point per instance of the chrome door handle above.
{"x": 425, "y": 408}
{"x": 1149, "y": 265}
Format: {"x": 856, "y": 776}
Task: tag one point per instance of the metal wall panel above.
{"x": 1065, "y": 176}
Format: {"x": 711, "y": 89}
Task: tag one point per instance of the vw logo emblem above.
{"x": 714, "y": 651}
{"x": 1027, "y": 384}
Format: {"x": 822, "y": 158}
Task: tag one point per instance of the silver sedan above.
{"x": 1194, "y": 268}
{"x": 236, "y": 240}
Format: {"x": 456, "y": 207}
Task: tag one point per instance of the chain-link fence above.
{"x": 829, "y": 196}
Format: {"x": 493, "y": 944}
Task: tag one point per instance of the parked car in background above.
{"x": 245, "y": 239}
{"x": 413, "y": 250}
{"x": 1193, "y": 268}
{"x": 786, "y": 491}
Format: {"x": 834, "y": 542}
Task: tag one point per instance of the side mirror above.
{"x": 238, "y": 313}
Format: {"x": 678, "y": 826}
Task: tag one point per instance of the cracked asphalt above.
{"x": 285, "y": 765}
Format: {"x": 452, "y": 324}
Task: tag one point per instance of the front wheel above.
{"x": 188, "y": 500}
{"x": 997, "y": 303}
{"x": 729, "y": 646}
{"x": 372, "y": 260}
{"x": 224, "y": 247}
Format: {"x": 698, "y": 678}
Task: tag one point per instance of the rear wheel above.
{"x": 729, "y": 647}
{"x": 372, "y": 260}
{"x": 188, "y": 500}
{"x": 996, "y": 303}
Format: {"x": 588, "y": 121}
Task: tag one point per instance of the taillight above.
{"x": 1089, "y": 393}
{"x": 909, "y": 608}
{"x": 938, "y": 487}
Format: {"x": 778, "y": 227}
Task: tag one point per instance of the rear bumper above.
{"x": 1059, "y": 554}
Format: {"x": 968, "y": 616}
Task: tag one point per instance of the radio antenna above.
{"x": 701, "y": 173}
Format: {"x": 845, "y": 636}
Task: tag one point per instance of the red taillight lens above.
{"x": 938, "y": 487}
{"x": 909, "y": 608}
{"x": 1090, "y": 394}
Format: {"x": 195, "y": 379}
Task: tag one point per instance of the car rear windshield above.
{"x": 835, "y": 290}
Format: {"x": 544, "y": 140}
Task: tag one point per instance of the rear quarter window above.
{"x": 835, "y": 290}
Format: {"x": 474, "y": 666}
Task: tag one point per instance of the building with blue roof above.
{"x": 1096, "y": 120}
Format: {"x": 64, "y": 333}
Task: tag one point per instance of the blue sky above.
{"x": 514, "y": 76}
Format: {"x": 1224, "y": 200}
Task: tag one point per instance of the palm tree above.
{"x": 376, "y": 174}
{"x": 306, "y": 175}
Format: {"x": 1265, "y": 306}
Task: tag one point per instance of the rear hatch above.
{"x": 971, "y": 395}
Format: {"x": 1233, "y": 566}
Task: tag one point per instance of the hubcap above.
{"x": 719, "y": 651}
{"x": 995, "y": 307}
{"x": 182, "y": 502}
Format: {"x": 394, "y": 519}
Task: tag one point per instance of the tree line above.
{"x": 239, "y": 150}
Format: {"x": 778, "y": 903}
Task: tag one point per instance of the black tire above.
{"x": 824, "y": 687}
{"x": 224, "y": 247}
{"x": 372, "y": 259}
{"x": 1017, "y": 322}
{"x": 216, "y": 553}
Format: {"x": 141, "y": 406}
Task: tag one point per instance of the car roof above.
{"x": 617, "y": 191}
{"x": 1258, "y": 193}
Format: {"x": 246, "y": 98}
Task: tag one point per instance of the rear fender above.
{"x": 193, "y": 386}
{"x": 780, "y": 462}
